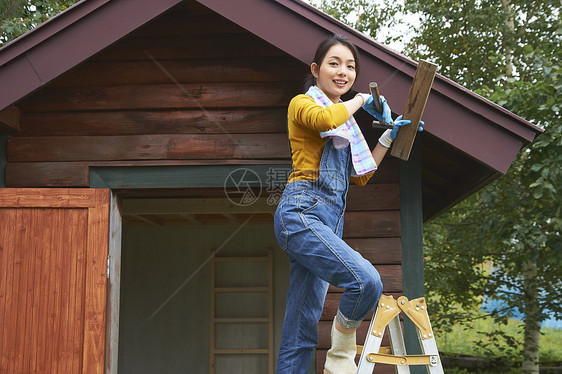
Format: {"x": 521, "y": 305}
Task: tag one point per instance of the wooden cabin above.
{"x": 143, "y": 148}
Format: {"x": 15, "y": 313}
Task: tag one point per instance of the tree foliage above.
{"x": 373, "y": 18}
{"x": 509, "y": 52}
{"x": 19, "y": 16}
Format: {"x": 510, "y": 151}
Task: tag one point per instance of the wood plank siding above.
{"x": 190, "y": 85}
{"x": 190, "y": 88}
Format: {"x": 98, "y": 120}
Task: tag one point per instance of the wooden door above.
{"x": 53, "y": 283}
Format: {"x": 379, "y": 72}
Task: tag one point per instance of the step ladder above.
{"x": 387, "y": 314}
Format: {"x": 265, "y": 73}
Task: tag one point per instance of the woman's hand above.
{"x": 389, "y": 135}
{"x": 385, "y": 116}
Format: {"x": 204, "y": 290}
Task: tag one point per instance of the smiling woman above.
{"x": 328, "y": 151}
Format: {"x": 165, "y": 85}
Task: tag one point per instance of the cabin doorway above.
{"x": 195, "y": 276}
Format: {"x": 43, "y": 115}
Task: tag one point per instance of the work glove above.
{"x": 389, "y": 135}
{"x": 385, "y": 116}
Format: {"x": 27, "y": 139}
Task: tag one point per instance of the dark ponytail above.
{"x": 321, "y": 52}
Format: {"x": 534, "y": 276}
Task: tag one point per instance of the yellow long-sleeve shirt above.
{"x": 306, "y": 120}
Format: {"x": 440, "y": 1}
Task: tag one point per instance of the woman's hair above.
{"x": 323, "y": 49}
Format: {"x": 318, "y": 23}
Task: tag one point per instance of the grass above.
{"x": 461, "y": 340}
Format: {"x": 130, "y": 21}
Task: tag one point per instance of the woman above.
{"x": 328, "y": 150}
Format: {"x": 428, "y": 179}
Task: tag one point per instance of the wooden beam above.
{"x": 193, "y": 206}
{"x": 419, "y": 92}
{"x": 138, "y": 122}
{"x": 148, "y": 147}
{"x": 162, "y": 96}
{"x": 10, "y": 119}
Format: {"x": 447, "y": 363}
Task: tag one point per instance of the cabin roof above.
{"x": 468, "y": 141}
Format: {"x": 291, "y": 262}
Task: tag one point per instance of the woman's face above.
{"x": 336, "y": 72}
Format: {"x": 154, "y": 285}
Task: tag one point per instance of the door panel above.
{"x": 53, "y": 284}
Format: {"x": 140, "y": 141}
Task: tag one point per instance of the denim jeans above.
{"x": 309, "y": 226}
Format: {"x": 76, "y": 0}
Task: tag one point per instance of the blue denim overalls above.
{"x": 309, "y": 228}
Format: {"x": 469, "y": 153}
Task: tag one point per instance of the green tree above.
{"x": 373, "y": 18}
{"x": 510, "y": 52}
{"x": 19, "y": 16}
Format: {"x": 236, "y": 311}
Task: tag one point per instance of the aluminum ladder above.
{"x": 387, "y": 314}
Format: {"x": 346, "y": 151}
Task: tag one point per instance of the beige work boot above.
{"x": 340, "y": 359}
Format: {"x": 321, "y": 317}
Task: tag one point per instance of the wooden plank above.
{"x": 387, "y": 173}
{"x": 138, "y": 122}
{"x": 71, "y": 346}
{"x": 417, "y": 98}
{"x": 76, "y": 174}
{"x": 46, "y": 198}
{"x": 80, "y": 302}
{"x": 229, "y": 70}
{"x": 96, "y": 284}
{"x": 10, "y": 119}
{"x": 380, "y": 251}
{"x": 54, "y": 323}
{"x": 148, "y": 147}
{"x": 372, "y": 224}
{"x": 234, "y": 45}
{"x": 162, "y": 96}
{"x": 10, "y": 315}
{"x": 25, "y": 344}
{"x": 48, "y": 257}
{"x": 48, "y": 174}
{"x": 373, "y": 197}
{"x": 194, "y": 206}
{"x": 20, "y": 298}
{"x": 33, "y": 320}
{"x": 6, "y": 224}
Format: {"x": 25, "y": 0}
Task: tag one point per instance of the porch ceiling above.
{"x": 196, "y": 212}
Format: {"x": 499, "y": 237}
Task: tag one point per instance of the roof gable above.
{"x": 474, "y": 138}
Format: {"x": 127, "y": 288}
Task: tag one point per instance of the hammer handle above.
{"x": 376, "y": 96}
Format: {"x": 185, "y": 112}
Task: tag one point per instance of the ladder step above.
{"x": 387, "y": 315}
{"x": 431, "y": 360}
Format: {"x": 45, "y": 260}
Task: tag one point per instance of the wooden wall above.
{"x": 190, "y": 88}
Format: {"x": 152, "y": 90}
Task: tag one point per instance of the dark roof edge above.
{"x": 69, "y": 39}
{"x": 47, "y": 29}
